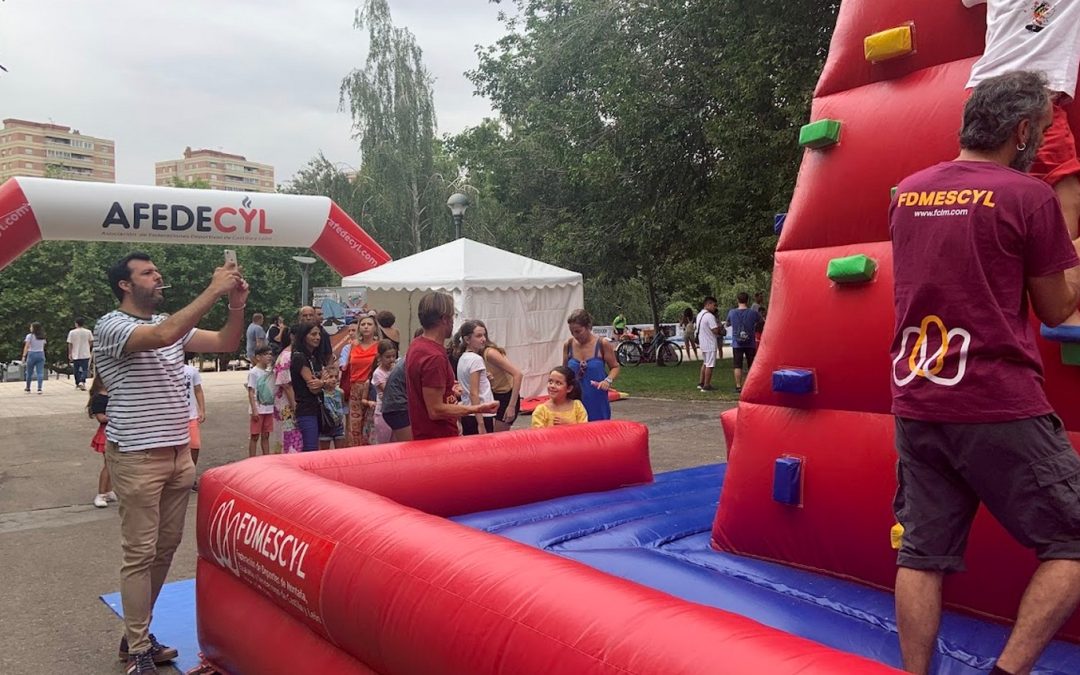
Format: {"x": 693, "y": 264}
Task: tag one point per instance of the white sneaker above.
{"x": 110, "y": 496}
{"x": 100, "y": 501}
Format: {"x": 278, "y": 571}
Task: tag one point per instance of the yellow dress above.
{"x": 544, "y": 416}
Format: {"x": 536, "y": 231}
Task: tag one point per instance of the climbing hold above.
{"x": 793, "y": 381}
{"x": 778, "y": 222}
{"x": 892, "y": 193}
{"x": 896, "y": 536}
{"x": 820, "y": 134}
{"x": 1070, "y": 353}
{"x": 854, "y": 269}
{"x": 1060, "y": 333}
{"x": 890, "y": 44}
{"x": 787, "y": 481}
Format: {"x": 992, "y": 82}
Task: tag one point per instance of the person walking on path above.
{"x": 140, "y": 358}
{"x": 33, "y": 355}
{"x": 430, "y": 387}
{"x": 973, "y": 423}
{"x": 80, "y": 342}
{"x": 593, "y": 362}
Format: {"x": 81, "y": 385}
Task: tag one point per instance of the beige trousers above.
{"x": 152, "y": 488}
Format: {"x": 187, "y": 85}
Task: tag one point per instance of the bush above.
{"x": 673, "y": 311}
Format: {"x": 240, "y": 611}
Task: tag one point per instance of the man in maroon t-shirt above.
{"x": 430, "y": 383}
{"x": 973, "y": 240}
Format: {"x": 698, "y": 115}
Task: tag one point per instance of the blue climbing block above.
{"x": 793, "y": 381}
{"x": 787, "y": 481}
{"x": 778, "y": 222}
{"x": 1060, "y": 333}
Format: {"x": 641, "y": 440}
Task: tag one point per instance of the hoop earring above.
{"x": 1021, "y": 147}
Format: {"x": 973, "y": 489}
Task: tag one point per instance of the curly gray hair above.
{"x": 1000, "y": 103}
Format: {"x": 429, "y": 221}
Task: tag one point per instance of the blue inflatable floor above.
{"x": 658, "y": 535}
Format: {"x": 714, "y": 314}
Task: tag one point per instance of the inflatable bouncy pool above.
{"x": 558, "y": 552}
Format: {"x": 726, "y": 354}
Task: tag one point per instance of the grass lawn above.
{"x": 677, "y": 382}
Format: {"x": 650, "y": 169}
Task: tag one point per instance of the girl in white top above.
{"x": 473, "y": 376}
{"x": 33, "y": 355}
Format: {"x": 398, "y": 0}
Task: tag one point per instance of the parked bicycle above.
{"x": 633, "y": 351}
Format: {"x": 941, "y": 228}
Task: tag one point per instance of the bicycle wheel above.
{"x": 669, "y": 355}
{"x": 628, "y": 354}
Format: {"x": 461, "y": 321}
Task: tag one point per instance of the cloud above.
{"x": 258, "y": 78}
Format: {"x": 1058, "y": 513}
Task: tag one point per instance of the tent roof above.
{"x": 462, "y": 264}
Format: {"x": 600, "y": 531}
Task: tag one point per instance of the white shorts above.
{"x": 708, "y": 359}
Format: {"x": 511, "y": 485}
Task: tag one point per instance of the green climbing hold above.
{"x": 820, "y": 134}
{"x": 853, "y": 269}
{"x": 1070, "y": 353}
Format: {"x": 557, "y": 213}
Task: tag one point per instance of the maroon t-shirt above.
{"x": 426, "y": 365}
{"x": 965, "y": 237}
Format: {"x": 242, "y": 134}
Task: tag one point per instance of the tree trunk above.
{"x": 414, "y": 215}
{"x": 654, "y": 306}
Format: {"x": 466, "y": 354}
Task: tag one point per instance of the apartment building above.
{"x": 223, "y": 171}
{"x": 46, "y": 149}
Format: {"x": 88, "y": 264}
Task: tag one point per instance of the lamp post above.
{"x": 305, "y": 268}
{"x": 457, "y": 204}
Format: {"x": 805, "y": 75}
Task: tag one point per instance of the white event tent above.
{"x": 523, "y": 302}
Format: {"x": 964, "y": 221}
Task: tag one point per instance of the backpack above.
{"x": 264, "y": 389}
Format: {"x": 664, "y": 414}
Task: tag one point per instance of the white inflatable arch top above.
{"x": 37, "y": 209}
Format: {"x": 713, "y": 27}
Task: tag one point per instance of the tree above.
{"x": 648, "y": 140}
{"x": 393, "y": 114}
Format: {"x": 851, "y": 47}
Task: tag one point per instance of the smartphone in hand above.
{"x": 230, "y": 256}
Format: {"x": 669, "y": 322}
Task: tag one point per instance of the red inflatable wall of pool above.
{"x": 342, "y": 562}
{"x": 897, "y": 116}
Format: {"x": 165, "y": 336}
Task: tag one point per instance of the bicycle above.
{"x": 632, "y": 352}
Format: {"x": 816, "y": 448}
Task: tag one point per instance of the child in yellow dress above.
{"x": 564, "y": 401}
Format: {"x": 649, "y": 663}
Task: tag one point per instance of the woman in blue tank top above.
{"x": 593, "y": 362}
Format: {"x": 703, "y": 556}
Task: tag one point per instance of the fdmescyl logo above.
{"x": 229, "y": 530}
{"x": 12, "y": 217}
{"x": 178, "y": 218}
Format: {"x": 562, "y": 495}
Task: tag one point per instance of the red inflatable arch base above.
{"x": 344, "y": 562}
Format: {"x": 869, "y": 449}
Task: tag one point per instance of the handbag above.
{"x": 328, "y": 422}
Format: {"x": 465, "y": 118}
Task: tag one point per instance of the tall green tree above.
{"x": 648, "y": 140}
{"x": 393, "y": 114}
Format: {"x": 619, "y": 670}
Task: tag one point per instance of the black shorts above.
{"x": 504, "y": 403}
{"x": 739, "y": 352}
{"x": 469, "y": 427}
{"x": 1025, "y": 471}
{"x": 396, "y": 419}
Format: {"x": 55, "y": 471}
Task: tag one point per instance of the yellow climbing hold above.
{"x": 890, "y": 44}
{"x": 896, "y": 535}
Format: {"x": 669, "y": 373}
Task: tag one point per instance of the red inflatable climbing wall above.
{"x": 896, "y": 116}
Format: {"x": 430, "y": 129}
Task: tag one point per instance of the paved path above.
{"x": 58, "y": 553}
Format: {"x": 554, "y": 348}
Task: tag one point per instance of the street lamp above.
{"x": 305, "y": 268}
{"x": 458, "y": 203}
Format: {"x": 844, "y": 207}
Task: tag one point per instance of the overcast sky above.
{"x": 258, "y": 78}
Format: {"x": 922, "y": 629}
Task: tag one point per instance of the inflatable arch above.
{"x": 36, "y": 209}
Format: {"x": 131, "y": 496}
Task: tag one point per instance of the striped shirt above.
{"x": 148, "y": 393}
